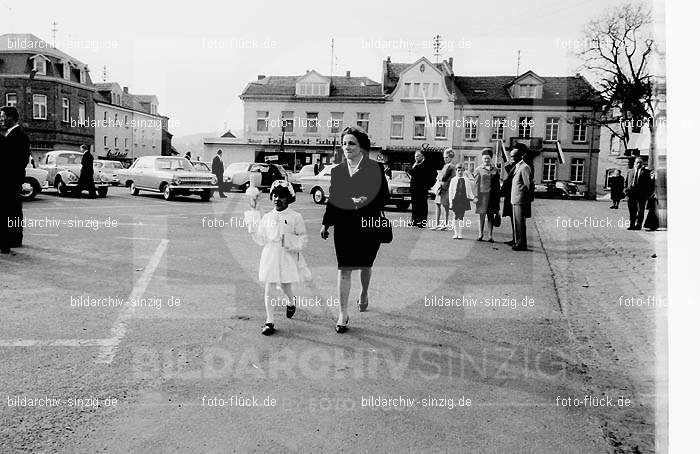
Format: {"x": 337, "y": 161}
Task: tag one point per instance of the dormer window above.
{"x": 83, "y": 76}
{"x": 313, "y": 89}
{"x": 39, "y": 64}
{"x": 66, "y": 70}
{"x": 528, "y": 91}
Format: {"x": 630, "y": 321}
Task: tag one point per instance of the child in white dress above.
{"x": 282, "y": 234}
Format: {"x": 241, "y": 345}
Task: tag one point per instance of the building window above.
{"x": 528, "y": 91}
{"x": 83, "y": 77}
{"x": 551, "y": 129}
{"x": 577, "y": 170}
{"x": 525, "y": 127}
{"x": 126, "y": 121}
{"x": 81, "y": 113}
{"x": 288, "y": 120}
{"x": 116, "y": 143}
{"x": 11, "y": 99}
{"x": 336, "y": 122}
{"x": 416, "y": 91}
{"x": 498, "y": 129}
{"x": 549, "y": 171}
{"x": 39, "y": 110}
{"x": 471, "y": 128}
{"x": 470, "y": 163}
{"x": 104, "y": 141}
{"x": 66, "y": 71}
{"x": 65, "y": 110}
{"x": 397, "y": 126}
{"x": 363, "y": 121}
{"x": 419, "y": 127}
{"x": 40, "y": 65}
{"x": 579, "y": 130}
{"x": 434, "y": 94}
{"x": 407, "y": 90}
{"x": 312, "y": 122}
{"x": 126, "y": 143}
{"x": 105, "y": 120}
{"x": 262, "y": 120}
{"x": 441, "y": 127}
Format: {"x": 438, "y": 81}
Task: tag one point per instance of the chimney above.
{"x": 126, "y": 90}
{"x": 347, "y": 74}
{"x": 388, "y": 59}
{"x": 449, "y": 62}
{"x": 261, "y": 76}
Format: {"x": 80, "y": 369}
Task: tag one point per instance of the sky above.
{"x": 198, "y": 57}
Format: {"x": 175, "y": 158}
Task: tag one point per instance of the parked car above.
{"x": 400, "y": 189}
{"x": 238, "y": 175}
{"x": 318, "y": 185}
{"x": 109, "y": 170}
{"x": 170, "y": 176}
{"x": 35, "y": 181}
{"x": 557, "y": 189}
{"x": 63, "y": 169}
{"x": 295, "y": 178}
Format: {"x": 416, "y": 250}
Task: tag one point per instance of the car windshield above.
{"x": 113, "y": 165}
{"x": 69, "y": 159}
{"x": 200, "y": 166}
{"x": 400, "y": 175}
{"x": 173, "y": 164}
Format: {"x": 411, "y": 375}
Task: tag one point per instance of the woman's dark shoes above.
{"x": 362, "y": 306}
{"x": 519, "y": 248}
{"x": 490, "y": 240}
{"x": 480, "y": 238}
{"x": 268, "y": 329}
{"x": 340, "y": 329}
{"x": 510, "y": 243}
{"x": 291, "y": 309}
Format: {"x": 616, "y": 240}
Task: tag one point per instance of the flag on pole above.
{"x": 502, "y": 154}
{"x": 428, "y": 117}
{"x": 560, "y": 153}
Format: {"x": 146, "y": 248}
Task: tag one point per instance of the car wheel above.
{"x": 102, "y": 192}
{"x": 403, "y": 206}
{"x": 167, "y": 192}
{"x": 30, "y": 188}
{"x": 61, "y": 188}
{"x": 318, "y": 195}
{"x": 133, "y": 189}
{"x": 206, "y": 195}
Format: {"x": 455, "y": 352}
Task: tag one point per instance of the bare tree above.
{"x": 618, "y": 48}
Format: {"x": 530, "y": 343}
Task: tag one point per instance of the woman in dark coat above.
{"x": 617, "y": 188}
{"x": 358, "y": 192}
{"x": 505, "y": 192}
{"x": 488, "y": 195}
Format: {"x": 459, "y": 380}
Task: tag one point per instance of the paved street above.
{"x": 176, "y": 361}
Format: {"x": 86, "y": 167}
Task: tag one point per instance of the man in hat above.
{"x": 14, "y": 152}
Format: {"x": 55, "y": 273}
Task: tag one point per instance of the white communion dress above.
{"x": 278, "y": 263}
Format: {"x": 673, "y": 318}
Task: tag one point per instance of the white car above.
{"x": 318, "y": 185}
{"x": 35, "y": 181}
{"x": 110, "y": 170}
{"x": 171, "y": 176}
{"x": 295, "y": 178}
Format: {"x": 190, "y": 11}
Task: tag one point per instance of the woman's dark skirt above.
{"x": 355, "y": 248}
{"x": 488, "y": 202}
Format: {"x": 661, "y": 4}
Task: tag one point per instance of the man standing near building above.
{"x": 87, "y": 173}
{"x": 422, "y": 179}
{"x": 520, "y": 197}
{"x": 638, "y": 188}
{"x": 317, "y": 167}
{"x": 14, "y": 153}
{"x": 217, "y": 168}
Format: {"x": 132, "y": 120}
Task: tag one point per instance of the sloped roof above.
{"x": 341, "y": 87}
{"x": 31, "y": 44}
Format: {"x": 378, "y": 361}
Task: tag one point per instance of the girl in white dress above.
{"x": 282, "y": 234}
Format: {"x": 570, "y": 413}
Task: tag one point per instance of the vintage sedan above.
{"x": 35, "y": 181}
{"x": 399, "y": 189}
{"x": 558, "y": 189}
{"x": 63, "y": 167}
{"x": 318, "y": 185}
{"x": 238, "y": 175}
{"x": 170, "y": 176}
{"x": 110, "y": 170}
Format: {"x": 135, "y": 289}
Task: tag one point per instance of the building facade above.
{"x": 128, "y": 126}
{"x": 52, "y": 91}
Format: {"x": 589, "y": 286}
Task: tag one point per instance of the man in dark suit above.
{"x": 15, "y": 157}
{"x": 317, "y": 167}
{"x": 217, "y": 168}
{"x": 520, "y": 197}
{"x": 638, "y": 188}
{"x": 422, "y": 179}
{"x": 87, "y": 173}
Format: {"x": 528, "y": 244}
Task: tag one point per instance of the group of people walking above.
{"x": 456, "y": 188}
{"x": 639, "y": 188}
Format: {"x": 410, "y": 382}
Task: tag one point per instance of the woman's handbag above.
{"x": 386, "y": 235}
{"x": 497, "y": 220}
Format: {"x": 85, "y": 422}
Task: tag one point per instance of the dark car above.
{"x": 557, "y": 189}
{"x": 239, "y": 175}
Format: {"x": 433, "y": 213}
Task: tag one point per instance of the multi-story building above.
{"x": 423, "y": 106}
{"x": 128, "y": 126}
{"x": 52, "y": 91}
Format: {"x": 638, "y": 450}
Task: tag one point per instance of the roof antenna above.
{"x": 437, "y": 48}
{"x": 332, "y": 56}
{"x": 517, "y": 71}
{"x": 104, "y": 73}
{"x": 54, "y": 29}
